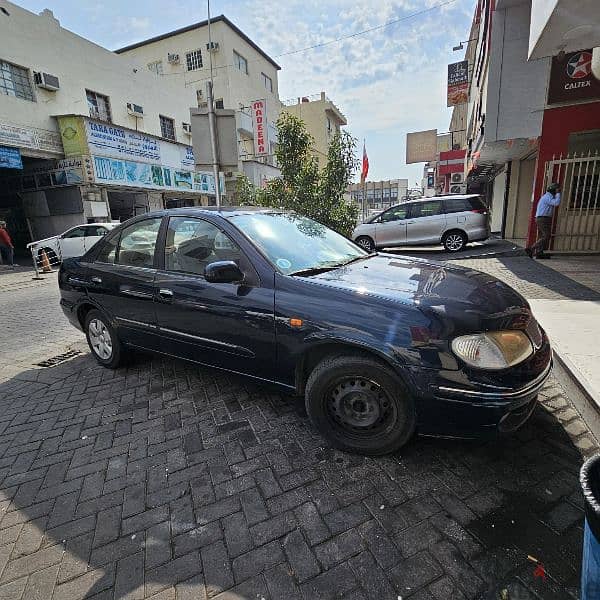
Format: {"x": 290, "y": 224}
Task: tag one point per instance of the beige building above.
{"x": 323, "y": 120}
{"x": 380, "y": 194}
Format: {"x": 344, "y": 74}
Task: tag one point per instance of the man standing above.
{"x": 543, "y": 220}
{"x": 6, "y": 245}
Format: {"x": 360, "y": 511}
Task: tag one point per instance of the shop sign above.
{"x": 105, "y": 139}
{"x": 30, "y": 137}
{"x": 259, "y": 123}
{"x": 421, "y": 146}
{"x": 571, "y": 78}
{"x": 458, "y": 83}
{"x": 10, "y": 158}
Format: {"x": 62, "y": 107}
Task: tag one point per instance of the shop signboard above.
{"x": 10, "y": 158}
{"x": 571, "y": 78}
{"x": 458, "y": 83}
{"x": 30, "y": 138}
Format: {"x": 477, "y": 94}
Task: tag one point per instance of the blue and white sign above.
{"x": 108, "y": 140}
{"x": 10, "y": 158}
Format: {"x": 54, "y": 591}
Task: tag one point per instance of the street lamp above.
{"x": 460, "y": 45}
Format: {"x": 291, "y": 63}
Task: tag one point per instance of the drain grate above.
{"x": 56, "y": 360}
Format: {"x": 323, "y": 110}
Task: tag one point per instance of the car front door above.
{"x": 391, "y": 227}
{"x": 121, "y": 282}
{"x": 72, "y": 243}
{"x": 228, "y": 325}
{"x": 427, "y": 222}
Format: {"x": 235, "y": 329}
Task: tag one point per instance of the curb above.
{"x": 584, "y": 398}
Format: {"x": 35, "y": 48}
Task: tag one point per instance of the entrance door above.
{"x": 427, "y": 222}
{"x": 227, "y": 325}
{"x": 391, "y": 229}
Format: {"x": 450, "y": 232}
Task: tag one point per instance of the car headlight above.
{"x": 494, "y": 349}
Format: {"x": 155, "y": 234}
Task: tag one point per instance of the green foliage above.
{"x": 302, "y": 187}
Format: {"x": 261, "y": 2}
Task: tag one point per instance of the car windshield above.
{"x": 295, "y": 244}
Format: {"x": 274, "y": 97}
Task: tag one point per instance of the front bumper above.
{"x": 449, "y": 410}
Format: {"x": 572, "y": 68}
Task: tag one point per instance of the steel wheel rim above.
{"x": 100, "y": 339}
{"x": 360, "y": 407}
{"x": 454, "y": 242}
{"x": 364, "y": 243}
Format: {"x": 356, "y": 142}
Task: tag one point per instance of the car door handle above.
{"x": 410, "y": 222}
{"x": 165, "y": 294}
{"x": 97, "y": 280}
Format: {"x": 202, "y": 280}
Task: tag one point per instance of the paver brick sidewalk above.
{"x": 169, "y": 481}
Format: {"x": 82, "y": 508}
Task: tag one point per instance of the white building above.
{"x": 242, "y": 73}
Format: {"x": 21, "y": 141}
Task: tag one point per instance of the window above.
{"x": 137, "y": 244}
{"x": 240, "y": 62}
{"x": 156, "y": 67}
{"x": 14, "y": 81}
{"x": 194, "y": 243}
{"x": 193, "y": 60}
{"x": 426, "y": 209}
{"x": 167, "y": 127}
{"x": 395, "y": 214}
{"x": 457, "y": 205}
{"x": 267, "y": 82}
{"x": 219, "y": 103}
{"x": 329, "y": 128}
{"x": 108, "y": 252}
{"x": 98, "y": 105}
{"x": 95, "y": 231}
{"x": 75, "y": 233}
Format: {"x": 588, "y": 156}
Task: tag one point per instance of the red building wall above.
{"x": 557, "y": 124}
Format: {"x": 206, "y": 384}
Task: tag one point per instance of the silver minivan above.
{"x": 452, "y": 221}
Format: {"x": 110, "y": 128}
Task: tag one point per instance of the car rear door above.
{"x": 391, "y": 227}
{"x": 72, "y": 242}
{"x": 121, "y": 282}
{"x": 228, "y": 325}
{"x": 426, "y": 223}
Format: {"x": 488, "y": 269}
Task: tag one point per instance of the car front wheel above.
{"x": 102, "y": 340}
{"x": 360, "y": 405}
{"x": 365, "y": 242}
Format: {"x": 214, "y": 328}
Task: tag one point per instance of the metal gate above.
{"x": 576, "y": 226}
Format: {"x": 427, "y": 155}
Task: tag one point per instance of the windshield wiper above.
{"x": 355, "y": 259}
{"x": 314, "y": 270}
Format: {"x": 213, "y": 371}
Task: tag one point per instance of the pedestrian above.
{"x": 6, "y": 245}
{"x": 543, "y": 221}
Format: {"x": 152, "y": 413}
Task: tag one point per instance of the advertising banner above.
{"x": 107, "y": 140}
{"x": 571, "y": 79}
{"x": 30, "y": 137}
{"x": 458, "y": 83}
{"x": 259, "y": 122}
{"x": 10, "y": 158}
{"x": 421, "y": 146}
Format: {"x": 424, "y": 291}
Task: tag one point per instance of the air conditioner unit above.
{"x": 187, "y": 128}
{"x": 457, "y": 177}
{"x": 173, "y": 58}
{"x": 458, "y": 188}
{"x": 135, "y": 109}
{"x": 212, "y": 46}
{"x": 46, "y": 81}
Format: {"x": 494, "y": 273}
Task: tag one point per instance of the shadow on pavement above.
{"x": 166, "y": 474}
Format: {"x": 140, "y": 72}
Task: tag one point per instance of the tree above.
{"x": 302, "y": 187}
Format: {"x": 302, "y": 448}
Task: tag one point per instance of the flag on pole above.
{"x": 365, "y": 165}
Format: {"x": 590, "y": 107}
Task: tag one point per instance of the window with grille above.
{"x": 98, "y": 105}
{"x": 167, "y": 128}
{"x": 267, "y": 82}
{"x": 156, "y": 67}
{"x": 15, "y": 81}
{"x": 193, "y": 60}
{"x": 240, "y": 62}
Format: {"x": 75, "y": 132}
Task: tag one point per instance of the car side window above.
{"x": 194, "y": 243}
{"x": 427, "y": 209}
{"x": 456, "y": 205}
{"x": 75, "y": 233}
{"x": 95, "y": 231}
{"x": 108, "y": 252}
{"x": 395, "y": 214}
{"x": 137, "y": 244}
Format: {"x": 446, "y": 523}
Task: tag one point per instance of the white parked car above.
{"x": 73, "y": 242}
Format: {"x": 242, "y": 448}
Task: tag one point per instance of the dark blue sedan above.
{"x": 380, "y": 346}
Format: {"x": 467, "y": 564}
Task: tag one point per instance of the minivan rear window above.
{"x": 455, "y": 205}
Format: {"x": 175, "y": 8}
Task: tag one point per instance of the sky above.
{"x": 387, "y": 82}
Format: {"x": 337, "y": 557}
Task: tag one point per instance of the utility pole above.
{"x": 212, "y": 121}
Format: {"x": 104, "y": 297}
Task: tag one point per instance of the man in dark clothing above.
{"x": 6, "y": 245}
{"x": 543, "y": 220}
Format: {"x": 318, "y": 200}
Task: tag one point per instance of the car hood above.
{"x": 441, "y": 288}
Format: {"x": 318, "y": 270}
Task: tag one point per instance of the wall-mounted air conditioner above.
{"x": 135, "y": 109}
{"x": 458, "y": 188}
{"x": 457, "y": 177}
{"x": 46, "y": 81}
{"x": 187, "y": 128}
{"x": 173, "y": 58}
{"x": 212, "y": 46}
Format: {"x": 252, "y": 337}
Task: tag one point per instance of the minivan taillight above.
{"x": 481, "y": 211}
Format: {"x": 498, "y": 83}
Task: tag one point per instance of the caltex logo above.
{"x": 579, "y": 65}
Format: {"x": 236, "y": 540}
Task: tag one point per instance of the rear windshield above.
{"x": 454, "y": 205}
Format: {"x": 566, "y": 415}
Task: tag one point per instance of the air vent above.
{"x": 457, "y": 178}
{"x": 187, "y": 128}
{"x": 46, "y": 81}
{"x": 135, "y": 109}
{"x": 173, "y": 58}
{"x": 458, "y": 189}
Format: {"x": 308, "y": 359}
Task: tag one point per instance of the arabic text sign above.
{"x": 458, "y": 83}
{"x": 107, "y": 140}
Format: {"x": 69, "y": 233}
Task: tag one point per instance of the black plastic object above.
{"x": 589, "y": 476}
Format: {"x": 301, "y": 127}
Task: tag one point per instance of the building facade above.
{"x": 323, "y": 120}
{"x": 379, "y": 194}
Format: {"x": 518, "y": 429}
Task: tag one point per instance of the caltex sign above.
{"x": 572, "y": 79}
{"x": 259, "y": 120}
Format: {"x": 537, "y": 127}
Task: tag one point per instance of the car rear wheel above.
{"x": 360, "y": 405}
{"x": 454, "y": 241}
{"x": 365, "y": 242}
{"x": 102, "y": 340}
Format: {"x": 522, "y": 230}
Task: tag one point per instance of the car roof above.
{"x": 223, "y": 211}
{"x": 444, "y": 197}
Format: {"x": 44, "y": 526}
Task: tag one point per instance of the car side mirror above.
{"x": 223, "y": 271}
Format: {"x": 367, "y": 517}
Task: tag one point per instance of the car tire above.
{"x": 103, "y": 340}
{"x": 366, "y": 243}
{"x": 360, "y": 405}
{"x": 454, "y": 241}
